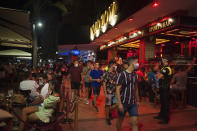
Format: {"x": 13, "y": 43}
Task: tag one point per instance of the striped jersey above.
{"x": 128, "y": 83}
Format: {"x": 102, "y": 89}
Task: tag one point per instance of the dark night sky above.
{"x": 74, "y": 27}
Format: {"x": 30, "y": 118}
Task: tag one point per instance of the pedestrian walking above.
{"x": 127, "y": 94}
{"x": 109, "y": 88}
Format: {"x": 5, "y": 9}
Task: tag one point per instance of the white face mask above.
{"x": 41, "y": 83}
{"x": 76, "y": 65}
{"x": 136, "y": 66}
{"x": 115, "y": 67}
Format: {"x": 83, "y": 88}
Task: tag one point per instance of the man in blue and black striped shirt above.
{"x": 126, "y": 92}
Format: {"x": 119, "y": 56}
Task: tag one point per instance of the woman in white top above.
{"x": 43, "y": 112}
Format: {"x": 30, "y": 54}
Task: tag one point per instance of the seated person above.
{"x": 44, "y": 91}
{"x": 31, "y": 85}
{"x": 45, "y": 87}
{"x": 43, "y": 112}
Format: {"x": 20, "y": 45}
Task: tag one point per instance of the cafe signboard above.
{"x": 162, "y": 25}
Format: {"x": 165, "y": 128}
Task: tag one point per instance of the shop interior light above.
{"x": 160, "y": 41}
{"x": 130, "y": 20}
{"x": 155, "y": 4}
{"x": 158, "y": 24}
{"x": 139, "y": 32}
{"x": 170, "y": 20}
{"x": 134, "y": 34}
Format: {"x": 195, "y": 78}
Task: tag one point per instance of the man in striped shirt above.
{"x": 126, "y": 92}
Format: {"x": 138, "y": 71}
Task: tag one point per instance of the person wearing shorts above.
{"x": 95, "y": 78}
{"x": 109, "y": 88}
{"x": 86, "y": 79}
{"x": 75, "y": 77}
{"x": 126, "y": 92}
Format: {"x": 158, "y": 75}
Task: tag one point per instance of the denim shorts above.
{"x": 112, "y": 99}
{"x": 96, "y": 90}
{"x": 75, "y": 85}
{"x": 132, "y": 109}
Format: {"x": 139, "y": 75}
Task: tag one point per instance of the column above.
{"x": 150, "y": 47}
{"x": 112, "y": 53}
{"x": 147, "y": 49}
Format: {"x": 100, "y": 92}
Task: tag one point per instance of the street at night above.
{"x": 98, "y": 65}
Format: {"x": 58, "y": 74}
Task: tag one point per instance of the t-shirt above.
{"x": 86, "y": 73}
{"x": 140, "y": 76}
{"x": 30, "y": 85}
{"x": 110, "y": 79}
{"x": 46, "y": 110}
{"x": 96, "y": 74}
{"x": 152, "y": 79}
{"x": 181, "y": 80}
{"x": 44, "y": 90}
{"x": 128, "y": 82}
{"x": 75, "y": 73}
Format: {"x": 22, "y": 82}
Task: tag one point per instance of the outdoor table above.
{"x": 7, "y": 118}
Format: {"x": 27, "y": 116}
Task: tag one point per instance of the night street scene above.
{"x": 98, "y": 65}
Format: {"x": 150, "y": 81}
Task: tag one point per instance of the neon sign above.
{"x": 109, "y": 17}
{"x": 161, "y": 25}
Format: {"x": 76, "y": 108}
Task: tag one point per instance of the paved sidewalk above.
{"x": 89, "y": 120}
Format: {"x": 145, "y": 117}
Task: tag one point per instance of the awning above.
{"x": 15, "y": 28}
{"x": 14, "y": 52}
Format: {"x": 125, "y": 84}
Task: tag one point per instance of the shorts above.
{"x": 96, "y": 90}
{"x": 131, "y": 109}
{"x": 87, "y": 85}
{"x": 112, "y": 99}
{"x": 75, "y": 85}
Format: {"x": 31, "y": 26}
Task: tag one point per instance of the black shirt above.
{"x": 165, "y": 81}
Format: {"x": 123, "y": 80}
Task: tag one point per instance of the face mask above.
{"x": 136, "y": 66}
{"x": 76, "y": 65}
{"x": 41, "y": 83}
{"x": 115, "y": 67}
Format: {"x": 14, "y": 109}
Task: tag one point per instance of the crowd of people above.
{"x": 125, "y": 84}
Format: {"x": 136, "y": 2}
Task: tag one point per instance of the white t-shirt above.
{"x": 29, "y": 85}
{"x": 44, "y": 90}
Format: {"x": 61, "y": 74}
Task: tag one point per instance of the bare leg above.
{"x": 72, "y": 94}
{"x": 119, "y": 123}
{"x": 33, "y": 117}
{"x": 94, "y": 99}
{"x": 39, "y": 100}
{"x": 87, "y": 93}
{"x": 134, "y": 123}
{"x": 26, "y": 111}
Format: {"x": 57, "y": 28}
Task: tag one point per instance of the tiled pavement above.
{"x": 89, "y": 120}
